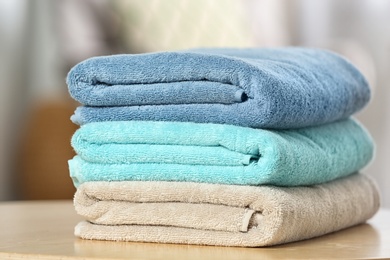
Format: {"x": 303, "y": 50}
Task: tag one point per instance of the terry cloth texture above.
{"x": 267, "y": 88}
{"x": 224, "y": 215}
{"x": 217, "y": 153}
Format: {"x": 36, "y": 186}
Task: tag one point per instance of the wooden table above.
{"x": 44, "y": 230}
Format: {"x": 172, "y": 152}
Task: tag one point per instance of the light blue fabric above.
{"x": 265, "y": 88}
{"x": 218, "y": 153}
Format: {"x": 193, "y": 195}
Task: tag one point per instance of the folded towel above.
{"x": 268, "y": 88}
{"x": 217, "y": 153}
{"x": 225, "y": 215}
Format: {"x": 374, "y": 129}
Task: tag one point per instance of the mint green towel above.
{"x": 216, "y": 153}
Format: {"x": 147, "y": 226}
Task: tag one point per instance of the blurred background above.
{"x": 40, "y": 40}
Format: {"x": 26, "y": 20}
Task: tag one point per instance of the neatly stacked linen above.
{"x": 233, "y": 147}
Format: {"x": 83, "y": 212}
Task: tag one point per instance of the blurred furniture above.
{"x": 43, "y": 152}
{"x": 44, "y": 230}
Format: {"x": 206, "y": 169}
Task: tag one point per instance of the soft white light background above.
{"x": 41, "y": 39}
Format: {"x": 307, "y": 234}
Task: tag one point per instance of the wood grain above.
{"x": 44, "y": 230}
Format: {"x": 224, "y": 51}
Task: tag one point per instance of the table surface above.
{"x": 44, "y": 230}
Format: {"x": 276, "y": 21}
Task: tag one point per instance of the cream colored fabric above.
{"x": 227, "y": 215}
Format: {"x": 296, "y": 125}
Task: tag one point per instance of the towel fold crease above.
{"x": 215, "y": 153}
{"x": 227, "y": 215}
{"x": 268, "y": 88}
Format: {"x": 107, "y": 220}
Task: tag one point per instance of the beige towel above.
{"x": 226, "y": 215}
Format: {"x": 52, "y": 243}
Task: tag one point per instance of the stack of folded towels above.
{"x": 231, "y": 147}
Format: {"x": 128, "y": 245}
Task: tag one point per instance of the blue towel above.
{"x": 266, "y": 88}
{"x": 218, "y": 153}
